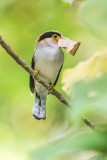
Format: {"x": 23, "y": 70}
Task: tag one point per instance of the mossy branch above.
{"x": 23, "y": 64}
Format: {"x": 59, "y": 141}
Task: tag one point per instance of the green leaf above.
{"x": 90, "y": 96}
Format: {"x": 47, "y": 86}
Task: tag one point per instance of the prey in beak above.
{"x": 70, "y": 45}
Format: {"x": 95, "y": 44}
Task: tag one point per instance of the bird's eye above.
{"x": 55, "y": 36}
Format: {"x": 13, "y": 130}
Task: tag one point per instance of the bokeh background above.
{"x": 62, "y": 135}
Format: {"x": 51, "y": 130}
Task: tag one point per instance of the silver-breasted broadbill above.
{"x": 47, "y": 63}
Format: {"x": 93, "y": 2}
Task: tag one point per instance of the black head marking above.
{"x": 47, "y": 34}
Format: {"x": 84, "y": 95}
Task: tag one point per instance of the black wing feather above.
{"x": 31, "y": 82}
{"x": 58, "y": 76}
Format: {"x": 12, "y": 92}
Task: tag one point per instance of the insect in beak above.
{"x": 70, "y": 45}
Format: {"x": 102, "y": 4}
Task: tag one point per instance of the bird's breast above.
{"x": 48, "y": 61}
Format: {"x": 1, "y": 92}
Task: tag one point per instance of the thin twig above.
{"x": 22, "y": 63}
{"x": 89, "y": 123}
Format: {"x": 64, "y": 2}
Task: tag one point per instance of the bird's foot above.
{"x": 51, "y": 88}
{"x": 35, "y": 73}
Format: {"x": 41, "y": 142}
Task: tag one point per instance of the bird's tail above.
{"x": 39, "y": 108}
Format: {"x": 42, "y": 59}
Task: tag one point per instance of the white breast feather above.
{"x": 48, "y": 61}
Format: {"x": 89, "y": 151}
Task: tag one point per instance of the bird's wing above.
{"x": 58, "y": 76}
{"x": 31, "y": 82}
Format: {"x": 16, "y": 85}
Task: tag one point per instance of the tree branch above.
{"x": 22, "y": 63}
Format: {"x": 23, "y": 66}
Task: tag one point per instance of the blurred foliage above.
{"x": 93, "y": 68}
{"x": 21, "y": 136}
{"x": 96, "y": 141}
{"x": 95, "y": 17}
{"x": 91, "y": 95}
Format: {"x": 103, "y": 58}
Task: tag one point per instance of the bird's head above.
{"x": 49, "y": 38}
{"x": 55, "y": 39}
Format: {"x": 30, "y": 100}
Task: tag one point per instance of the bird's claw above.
{"x": 35, "y": 73}
{"x": 51, "y": 88}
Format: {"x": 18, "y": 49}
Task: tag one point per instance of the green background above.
{"x": 21, "y": 22}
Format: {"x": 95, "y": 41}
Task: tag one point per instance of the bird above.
{"x": 47, "y": 62}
